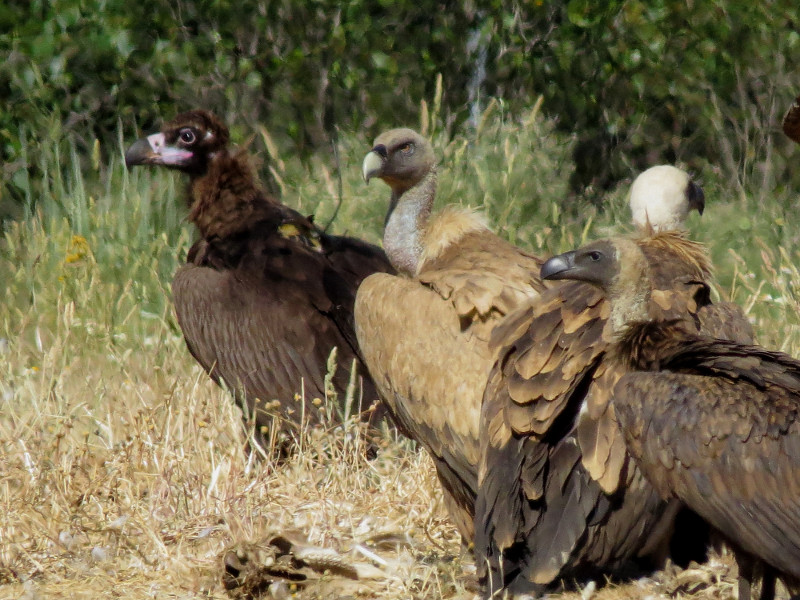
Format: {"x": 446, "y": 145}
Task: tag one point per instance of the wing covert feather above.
{"x": 241, "y": 333}
{"x": 736, "y": 479}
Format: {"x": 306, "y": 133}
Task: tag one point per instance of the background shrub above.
{"x": 635, "y": 82}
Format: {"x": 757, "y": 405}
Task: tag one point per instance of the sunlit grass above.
{"x": 122, "y": 465}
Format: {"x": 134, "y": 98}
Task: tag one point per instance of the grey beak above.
{"x": 141, "y": 152}
{"x": 372, "y": 165}
{"x": 558, "y": 266}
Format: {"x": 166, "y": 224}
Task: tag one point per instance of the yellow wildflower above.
{"x": 78, "y": 249}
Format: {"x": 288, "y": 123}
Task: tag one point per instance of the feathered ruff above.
{"x": 690, "y": 253}
{"x": 447, "y": 228}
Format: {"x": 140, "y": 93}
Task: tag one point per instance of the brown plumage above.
{"x": 424, "y": 334}
{"x": 712, "y": 423}
{"x": 791, "y": 122}
{"x": 265, "y": 295}
{"x": 559, "y": 498}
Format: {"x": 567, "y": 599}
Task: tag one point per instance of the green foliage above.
{"x": 92, "y": 258}
{"x": 636, "y": 82}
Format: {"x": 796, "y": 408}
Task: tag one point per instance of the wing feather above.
{"x": 738, "y": 485}
{"x": 553, "y": 386}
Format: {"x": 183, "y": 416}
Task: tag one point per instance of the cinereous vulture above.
{"x": 266, "y": 295}
{"x": 559, "y": 498}
{"x": 424, "y": 333}
{"x": 710, "y": 422}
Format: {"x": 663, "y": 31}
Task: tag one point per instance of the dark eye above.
{"x": 187, "y": 136}
{"x": 595, "y": 256}
{"x": 407, "y": 148}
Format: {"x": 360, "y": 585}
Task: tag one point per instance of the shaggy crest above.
{"x": 448, "y": 227}
{"x": 676, "y": 242}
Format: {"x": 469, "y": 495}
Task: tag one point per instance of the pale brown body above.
{"x": 425, "y": 335}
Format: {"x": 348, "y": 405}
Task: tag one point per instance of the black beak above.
{"x": 697, "y": 199}
{"x": 559, "y": 266}
{"x": 139, "y": 154}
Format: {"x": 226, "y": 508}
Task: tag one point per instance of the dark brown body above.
{"x": 265, "y": 295}
{"x": 716, "y": 425}
{"x": 560, "y": 497}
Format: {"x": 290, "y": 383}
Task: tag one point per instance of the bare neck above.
{"x": 630, "y": 295}
{"x": 409, "y": 212}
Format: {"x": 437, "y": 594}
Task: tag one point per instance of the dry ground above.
{"x": 124, "y": 475}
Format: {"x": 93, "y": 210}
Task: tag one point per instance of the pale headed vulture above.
{"x": 266, "y": 295}
{"x": 710, "y": 422}
{"x": 559, "y": 498}
{"x": 424, "y": 333}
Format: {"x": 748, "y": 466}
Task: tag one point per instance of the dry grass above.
{"x": 128, "y": 478}
{"x": 123, "y": 471}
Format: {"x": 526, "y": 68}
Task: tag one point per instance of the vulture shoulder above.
{"x": 484, "y": 276}
{"x": 716, "y": 424}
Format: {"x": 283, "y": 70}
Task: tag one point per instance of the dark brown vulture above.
{"x": 265, "y": 295}
{"x": 791, "y": 122}
{"x": 559, "y": 498}
{"x": 710, "y": 422}
{"x": 424, "y": 333}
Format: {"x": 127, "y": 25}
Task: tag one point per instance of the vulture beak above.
{"x": 697, "y": 199}
{"x": 373, "y": 162}
{"x": 153, "y": 150}
{"x": 560, "y": 266}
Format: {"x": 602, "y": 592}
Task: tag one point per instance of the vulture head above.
{"x": 662, "y": 197}
{"x": 617, "y": 266}
{"x": 401, "y": 157}
{"x": 186, "y": 143}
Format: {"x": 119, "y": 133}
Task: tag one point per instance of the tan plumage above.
{"x": 425, "y": 335}
{"x": 558, "y": 495}
{"x": 712, "y": 423}
{"x": 265, "y": 295}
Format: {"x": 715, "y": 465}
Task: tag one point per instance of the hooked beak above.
{"x": 559, "y": 266}
{"x": 373, "y": 163}
{"x": 153, "y": 150}
{"x": 697, "y": 199}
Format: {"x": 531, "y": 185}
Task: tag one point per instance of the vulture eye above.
{"x": 187, "y": 136}
{"x": 407, "y": 148}
{"x": 594, "y": 256}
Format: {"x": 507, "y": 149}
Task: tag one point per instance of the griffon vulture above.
{"x": 265, "y": 295}
{"x": 558, "y": 496}
{"x": 710, "y": 422}
{"x": 424, "y": 333}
